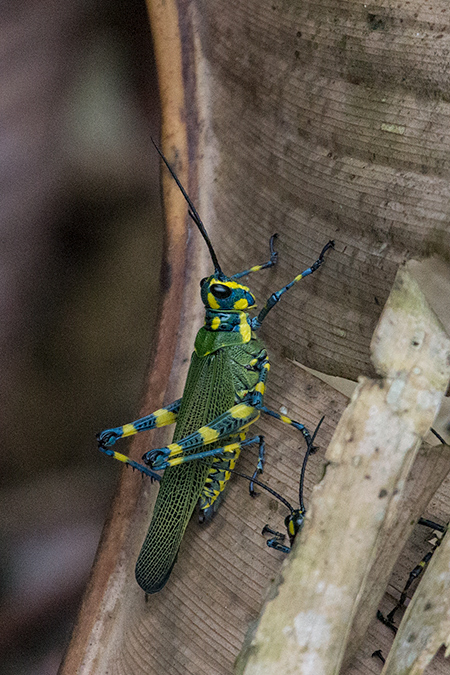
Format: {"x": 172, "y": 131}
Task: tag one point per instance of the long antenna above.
{"x": 193, "y": 213}
{"x": 302, "y": 476}
{"x": 305, "y": 460}
{"x": 263, "y": 485}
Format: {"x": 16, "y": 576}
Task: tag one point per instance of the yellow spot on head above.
{"x": 241, "y": 304}
{"x": 128, "y": 430}
{"x": 291, "y": 528}
{"x": 233, "y": 285}
{"x": 209, "y": 435}
{"x": 215, "y": 323}
{"x": 212, "y": 302}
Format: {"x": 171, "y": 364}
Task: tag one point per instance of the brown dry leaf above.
{"x": 317, "y": 121}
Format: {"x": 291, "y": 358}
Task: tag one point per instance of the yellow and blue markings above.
{"x": 228, "y": 424}
{"x": 295, "y": 519}
{"x": 160, "y": 418}
{"x": 223, "y": 396}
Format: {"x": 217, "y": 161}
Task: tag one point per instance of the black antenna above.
{"x": 193, "y": 213}
{"x": 264, "y": 486}
{"x": 438, "y": 436}
{"x": 302, "y": 476}
{"x": 305, "y": 460}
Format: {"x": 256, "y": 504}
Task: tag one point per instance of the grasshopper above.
{"x": 222, "y": 397}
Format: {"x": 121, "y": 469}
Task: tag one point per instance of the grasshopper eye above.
{"x": 203, "y": 281}
{"x": 220, "y": 291}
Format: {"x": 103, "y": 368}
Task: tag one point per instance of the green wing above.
{"x": 208, "y": 393}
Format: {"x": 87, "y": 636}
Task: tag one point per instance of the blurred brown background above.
{"x": 81, "y": 241}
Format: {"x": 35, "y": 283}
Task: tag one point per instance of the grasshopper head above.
{"x": 220, "y": 293}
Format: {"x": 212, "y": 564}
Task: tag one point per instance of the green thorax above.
{"x": 222, "y": 329}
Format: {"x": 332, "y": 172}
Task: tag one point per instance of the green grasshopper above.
{"x": 222, "y": 397}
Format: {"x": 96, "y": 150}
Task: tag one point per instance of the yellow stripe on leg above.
{"x": 209, "y": 435}
{"x": 286, "y": 420}
{"x": 241, "y": 411}
{"x": 164, "y": 417}
{"x": 120, "y": 457}
{"x": 175, "y": 461}
{"x": 128, "y": 430}
{"x": 175, "y": 449}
